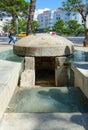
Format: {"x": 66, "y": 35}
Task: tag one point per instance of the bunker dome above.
{"x": 43, "y": 45}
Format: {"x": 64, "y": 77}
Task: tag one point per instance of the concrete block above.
{"x": 81, "y": 76}
{"x": 28, "y": 79}
{"x": 59, "y": 61}
{"x": 9, "y": 75}
{"x": 61, "y": 77}
{"x": 29, "y": 63}
{"x": 61, "y": 74}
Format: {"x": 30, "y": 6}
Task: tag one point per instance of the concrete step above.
{"x": 44, "y": 121}
{"x": 48, "y": 99}
{"x": 9, "y": 74}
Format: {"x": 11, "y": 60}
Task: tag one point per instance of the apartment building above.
{"x": 4, "y": 19}
{"x": 45, "y": 19}
{"x": 48, "y": 18}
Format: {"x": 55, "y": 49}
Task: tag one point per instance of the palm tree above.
{"x": 30, "y": 16}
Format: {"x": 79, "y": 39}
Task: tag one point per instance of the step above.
{"x": 44, "y": 121}
{"x": 9, "y": 75}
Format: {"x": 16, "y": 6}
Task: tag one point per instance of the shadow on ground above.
{"x": 50, "y": 99}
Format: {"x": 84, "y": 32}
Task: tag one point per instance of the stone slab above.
{"x": 44, "y": 121}
{"x": 27, "y": 79}
{"x": 82, "y": 67}
{"x": 80, "y": 70}
{"x": 9, "y": 75}
{"x": 29, "y": 63}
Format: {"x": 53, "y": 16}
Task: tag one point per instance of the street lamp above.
{"x": 17, "y": 27}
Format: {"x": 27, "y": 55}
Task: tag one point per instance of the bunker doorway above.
{"x": 45, "y": 71}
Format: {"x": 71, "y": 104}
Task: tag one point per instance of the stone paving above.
{"x": 5, "y": 46}
{"x": 44, "y": 121}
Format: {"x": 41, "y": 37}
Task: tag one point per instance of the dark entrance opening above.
{"x": 45, "y": 71}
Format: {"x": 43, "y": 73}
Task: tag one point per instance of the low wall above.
{"x": 9, "y": 75}
{"x": 80, "y": 70}
{"x": 76, "y": 40}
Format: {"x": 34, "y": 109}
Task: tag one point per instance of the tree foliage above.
{"x": 58, "y": 26}
{"x": 80, "y": 30}
{"x": 47, "y": 30}
{"x": 14, "y": 7}
{"x": 80, "y": 6}
{"x": 35, "y": 25}
{"x": 22, "y": 25}
{"x": 73, "y": 27}
{"x": 70, "y": 27}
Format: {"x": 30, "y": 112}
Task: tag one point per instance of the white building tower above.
{"x": 48, "y": 18}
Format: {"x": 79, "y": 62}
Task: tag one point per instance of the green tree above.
{"x": 80, "y": 6}
{"x": 80, "y": 30}
{"x": 35, "y": 25}
{"x": 22, "y": 25}
{"x": 73, "y": 27}
{"x": 14, "y": 7}
{"x": 30, "y": 16}
{"x": 58, "y": 26}
{"x": 46, "y": 30}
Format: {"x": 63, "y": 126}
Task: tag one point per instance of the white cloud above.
{"x": 39, "y": 11}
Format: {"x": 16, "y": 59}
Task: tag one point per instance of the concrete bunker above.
{"x": 45, "y": 59}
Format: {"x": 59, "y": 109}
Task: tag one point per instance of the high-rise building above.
{"x": 48, "y": 18}
{"x": 45, "y": 19}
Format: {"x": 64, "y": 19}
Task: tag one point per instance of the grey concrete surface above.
{"x": 44, "y": 121}
{"x": 4, "y": 44}
{"x": 80, "y": 70}
{"x": 76, "y": 40}
{"x": 9, "y": 74}
{"x": 48, "y": 99}
{"x": 82, "y": 67}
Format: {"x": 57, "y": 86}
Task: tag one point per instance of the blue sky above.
{"x": 51, "y": 4}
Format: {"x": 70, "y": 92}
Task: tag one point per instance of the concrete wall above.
{"x": 81, "y": 76}
{"x": 9, "y": 75}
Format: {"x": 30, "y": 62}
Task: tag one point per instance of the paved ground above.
{"x": 48, "y": 99}
{"x": 19, "y": 118}
{"x": 4, "y": 44}
{"x": 78, "y": 41}
{"x": 44, "y": 121}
